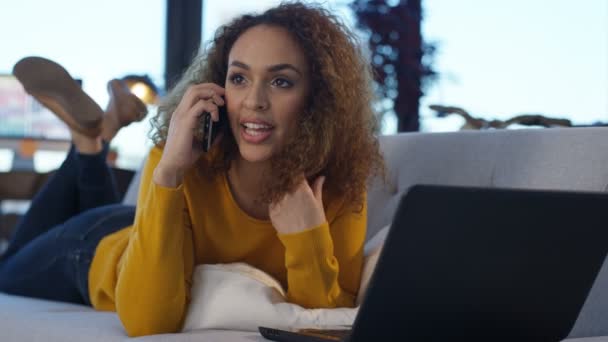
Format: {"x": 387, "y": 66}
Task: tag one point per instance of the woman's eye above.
{"x": 281, "y": 83}
{"x": 237, "y": 79}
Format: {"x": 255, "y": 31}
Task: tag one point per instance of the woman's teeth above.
{"x": 256, "y": 126}
{"x": 253, "y": 132}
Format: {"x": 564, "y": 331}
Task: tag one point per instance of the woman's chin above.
{"x": 255, "y": 154}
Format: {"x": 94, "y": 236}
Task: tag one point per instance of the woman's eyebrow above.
{"x": 272, "y": 68}
{"x": 284, "y": 66}
{"x": 240, "y": 65}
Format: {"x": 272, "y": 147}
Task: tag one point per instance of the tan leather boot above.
{"x": 124, "y": 106}
{"x": 50, "y": 84}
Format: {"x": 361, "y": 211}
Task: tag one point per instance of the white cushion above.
{"x": 240, "y": 297}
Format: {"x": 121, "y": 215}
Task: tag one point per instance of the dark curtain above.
{"x": 184, "y": 18}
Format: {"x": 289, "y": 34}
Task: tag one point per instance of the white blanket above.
{"x": 241, "y": 297}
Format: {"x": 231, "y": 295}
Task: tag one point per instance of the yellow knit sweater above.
{"x": 144, "y": 272}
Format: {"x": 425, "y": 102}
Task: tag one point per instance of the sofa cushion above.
{"x": 27, "y": 319}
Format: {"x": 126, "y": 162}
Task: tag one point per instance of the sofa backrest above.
{"x": 130, "y": 197}
{"x": 559, "y": 159}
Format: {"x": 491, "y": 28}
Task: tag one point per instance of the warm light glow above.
{"x": 143, "y": 92}
{"x": 140, "y": 90}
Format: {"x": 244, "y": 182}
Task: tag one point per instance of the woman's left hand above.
{"x": 299, "y": 210}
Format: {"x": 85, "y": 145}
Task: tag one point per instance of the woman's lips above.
{"x": 255, "y": 133}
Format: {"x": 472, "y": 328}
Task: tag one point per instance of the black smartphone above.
{"x": 211, "y": 128}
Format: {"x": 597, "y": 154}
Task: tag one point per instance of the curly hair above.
{"x": 336, "y": 132}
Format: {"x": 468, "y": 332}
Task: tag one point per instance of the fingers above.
{"x": 204, "y": 91}
{"x": 212, "y": 86}
{"x": 316, "y": 187}
{"x": 218, "y": 100}
{"x": 299, "y": 210}
{"x": 204, "y": 106}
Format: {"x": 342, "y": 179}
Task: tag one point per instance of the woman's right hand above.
{"x": 181, "y": 150}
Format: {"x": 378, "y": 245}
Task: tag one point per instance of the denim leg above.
{"x": 82, "y": 182}
{"x": 55, "y": 265}
{"x": 95, "y": 181}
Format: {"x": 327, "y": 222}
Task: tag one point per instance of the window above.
{"x": 498, "y": 59}
{"x": 95, "y": 41}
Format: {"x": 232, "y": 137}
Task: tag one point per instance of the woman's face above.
{"x": 267, "y": 87}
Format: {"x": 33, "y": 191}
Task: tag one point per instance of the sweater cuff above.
{"x": 315, "y": 242}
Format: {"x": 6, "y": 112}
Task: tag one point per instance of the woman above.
{"x": 283, "y": 188}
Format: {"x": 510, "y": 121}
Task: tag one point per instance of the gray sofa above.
{"x": 567, "y": 159}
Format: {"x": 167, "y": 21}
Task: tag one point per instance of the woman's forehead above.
{"x": 263, "y": 46}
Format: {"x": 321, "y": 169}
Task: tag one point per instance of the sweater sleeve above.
{"x": 156, "y": 270}
{"x": 324, "y": 263}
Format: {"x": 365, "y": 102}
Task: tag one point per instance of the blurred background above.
{"x": 495, "y": 59}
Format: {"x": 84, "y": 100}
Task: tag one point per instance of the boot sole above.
{"x": 53, "y": 86}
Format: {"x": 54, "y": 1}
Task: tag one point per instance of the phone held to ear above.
{"x": 211, "y": 128}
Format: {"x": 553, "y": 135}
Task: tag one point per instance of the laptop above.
{"x": 479, "y": 264}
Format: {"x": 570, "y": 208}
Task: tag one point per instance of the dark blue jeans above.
{"x": 51, "y": 250}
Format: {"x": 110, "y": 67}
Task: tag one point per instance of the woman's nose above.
{"x": 257, "y": 99}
